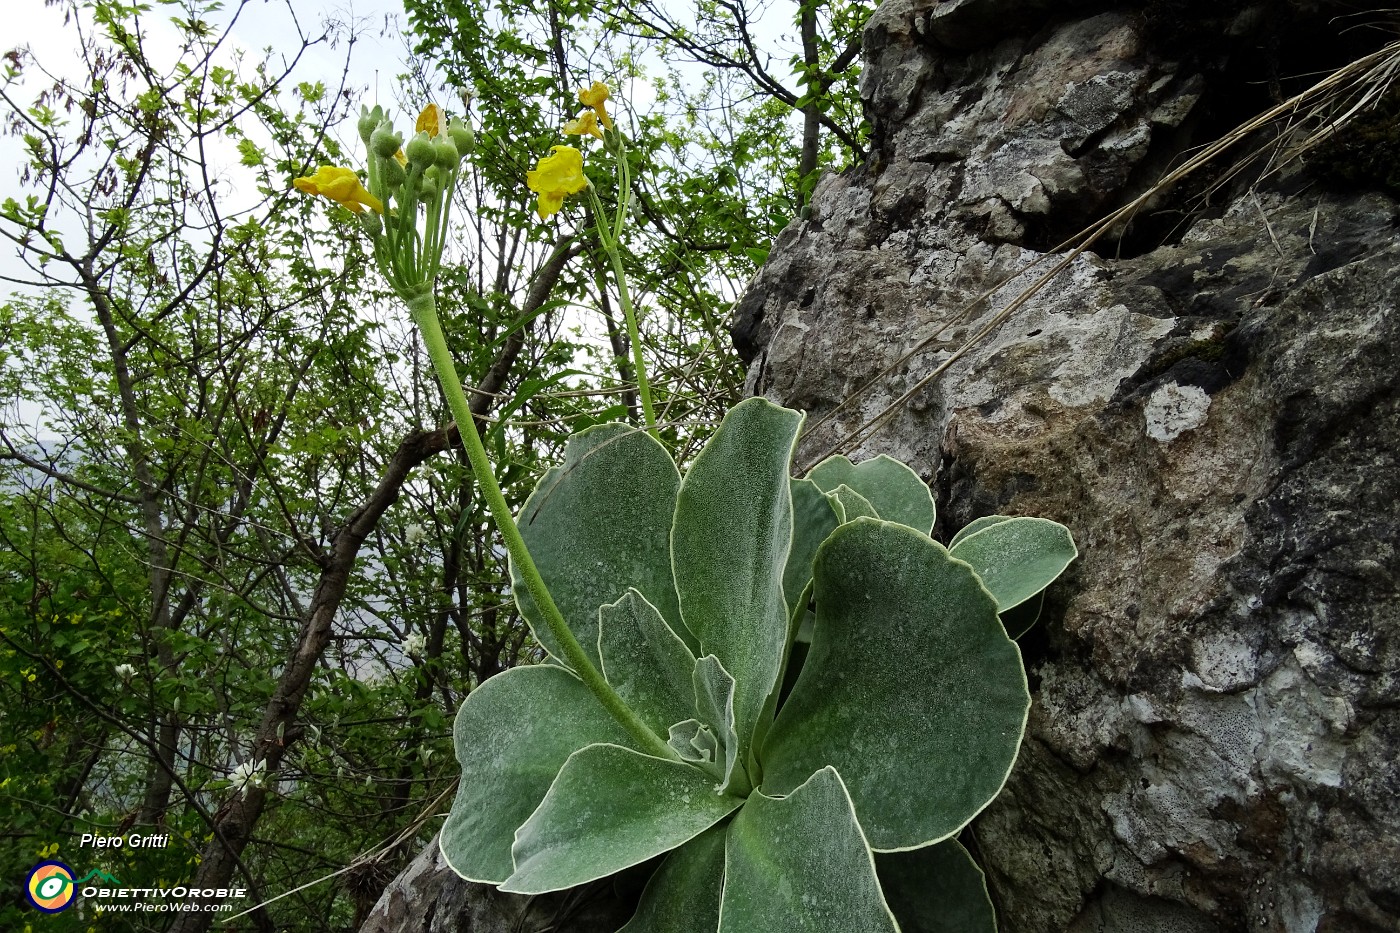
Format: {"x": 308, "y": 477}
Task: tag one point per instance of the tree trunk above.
{"x": 811, "y": 111}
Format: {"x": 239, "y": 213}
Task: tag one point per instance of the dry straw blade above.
{"x": 1314, "y": 114}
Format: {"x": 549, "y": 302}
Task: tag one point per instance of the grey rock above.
{"x": 1215, "y": 414}
{"x": 429, "y": 897}
{"x": 1120, "y": 911}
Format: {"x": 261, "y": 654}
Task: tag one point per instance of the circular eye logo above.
{"x": 50, "y": 887}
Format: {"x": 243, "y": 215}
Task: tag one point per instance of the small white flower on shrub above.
{"x": 414, "y": 643}
{"x": 246, "y": 775}
{"x": 125, "y": 672}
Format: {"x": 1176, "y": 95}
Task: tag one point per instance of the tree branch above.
{"x": 237, "y": 820}
{"x": 65, "y": 478}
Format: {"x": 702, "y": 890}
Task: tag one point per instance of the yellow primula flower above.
{"x": 594, "y": 97}
{"x": 555, "y": 177}
{"x": 430, "y": 121}
{"x": 340, "y": 185}
{"x": 586, "y": 124}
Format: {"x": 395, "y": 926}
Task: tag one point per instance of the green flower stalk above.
{"x": 560, "y": 174}
{"x": 410, "y": 197}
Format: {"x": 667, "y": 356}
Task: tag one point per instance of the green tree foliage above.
{"x": 744, "y": 74}
{"x": 207, "y": 385}
{"x": 239, "y": 530}
{"x": 238, "y": 534}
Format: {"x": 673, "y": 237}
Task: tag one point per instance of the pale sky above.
{"x": 376, "y": 57}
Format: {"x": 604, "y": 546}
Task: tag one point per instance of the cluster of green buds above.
{"x": 405, "y": 179}
{"x": 421, "y": 173}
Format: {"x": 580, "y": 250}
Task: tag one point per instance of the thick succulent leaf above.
{"x": 683, "y": 895}
{"x": 937, "y": 889}
{"x": 911, "y": 689}
{"x": 895, "y": 491}
{"x": 1019, "y": 619}
{"x": 513, "y": 734}
{"x": 729, "y": 547}
{"x": 813, "y": 518}
{"x": 1017, "y": 558}
{"x": 714, "y": 702}
{"x": 976, "y": 525}
{"x": 851, "y": 505}
{"x": 800, "y": 862}
{"x": 609, "y": 809}
{"x": 645, "y": 661}
{"x": 597, "y": 524}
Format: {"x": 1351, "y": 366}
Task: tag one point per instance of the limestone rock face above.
{"x": 1209, "y": 401}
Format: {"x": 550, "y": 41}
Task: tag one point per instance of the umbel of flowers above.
{"x": 560, "y": 174}
{"x": 406, "y": 181}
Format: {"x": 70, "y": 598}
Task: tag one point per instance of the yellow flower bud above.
{"x": 340, "y": 185}
{"x": 587, "y": 123}
{"x": 594, "y": 96}
{"x": 430, "y": 121}
{"x": 556, "y": 176}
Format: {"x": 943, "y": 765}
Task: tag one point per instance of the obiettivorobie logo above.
{"x": 51, "y": 886}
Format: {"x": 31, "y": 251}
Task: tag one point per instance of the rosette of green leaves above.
{"x": 837, "y": 690}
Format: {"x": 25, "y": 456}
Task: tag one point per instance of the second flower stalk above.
{"x": 423, "y": 173}
{"x": 560, "y": 174}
